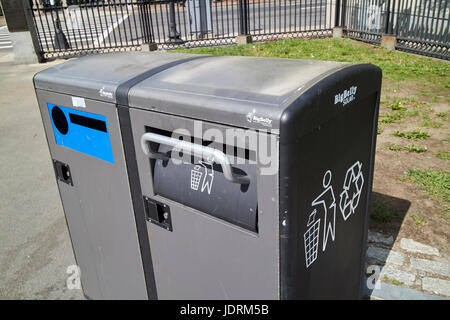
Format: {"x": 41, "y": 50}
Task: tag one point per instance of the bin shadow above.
{"x": 386, "y": 217}
{"x": 387, "y": 214}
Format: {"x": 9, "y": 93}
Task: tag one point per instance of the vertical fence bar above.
{"x": 344, "y": 11}
{"x": 388, "y": 13}
{"x": 337, "y": 13}
{"x": 243, "y": 17}
{"x": 442, "y": 22}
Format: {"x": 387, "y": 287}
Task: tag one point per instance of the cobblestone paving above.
{"x": 409, "y": 263}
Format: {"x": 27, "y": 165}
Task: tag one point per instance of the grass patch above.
{"x": 416, "y": 148}
{"x": 416, "y": 134}
{"x": 412, "y": 113}
{"x": 391, "y": 117}
{"x": 396, "y": 66}
{"x": 420, "y": 222}
{"x": 443, "y": 154}
{"x": 446, "y": 214}
{"x": 396, "y": 105}
{"x": 434, "y": 182}
{"x": 411, "y": 148}
{"x": 392, "y": 281}
{"x": 382, "y": 213}
{"x": 394, "y": 147}
{"x": 431, "y": 124}
{"x": 428, "y": 122}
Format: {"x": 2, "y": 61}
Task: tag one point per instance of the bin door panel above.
{"x": 96, "y": 202}
{"x": 210, "y": 251}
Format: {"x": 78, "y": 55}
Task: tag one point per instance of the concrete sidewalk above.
{"x": 35, "y": 248}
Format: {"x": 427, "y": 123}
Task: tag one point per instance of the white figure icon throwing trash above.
{"x": 202, "y": 170}
{"x": 325, "y": 203}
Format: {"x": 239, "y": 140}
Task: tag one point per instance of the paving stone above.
{"x": 389, "y": 291}
{"x": 430, "y": 266}
{"x": 417, "y": 247}
{"x": 377, "y": 237}
{"x": 419, "y": 282}
{"x": 385, "y": 255}
{"x": 406, "y": 278}
{"x": 438, "y": 286}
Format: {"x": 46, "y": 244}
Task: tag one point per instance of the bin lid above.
{"x": 249, "y": 92}
{"x": 98, "y": 76}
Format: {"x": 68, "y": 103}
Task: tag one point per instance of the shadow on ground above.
{"x": 387, "y": 213}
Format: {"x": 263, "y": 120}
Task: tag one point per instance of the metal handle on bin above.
{"x": 200, "y": 151}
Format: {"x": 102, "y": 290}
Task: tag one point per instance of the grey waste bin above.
{"x": 194, "y": 177}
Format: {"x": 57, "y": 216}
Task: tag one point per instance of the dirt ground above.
{"x": 414, "y": 213}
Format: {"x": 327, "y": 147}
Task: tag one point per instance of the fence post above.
{"x": 18, "y": 15}
{"x": 244, "y": 36}
{"x": 388, "y": 15}
{"x": 337, "y": 13}
{"x": 60, "y": 42}
{"x": 344, "y": 14}
{"x": 174, "y": 35}
{"x": 388, "y": 40}
{"x": 144, "y": 12}
{"x": 338, "y": 30}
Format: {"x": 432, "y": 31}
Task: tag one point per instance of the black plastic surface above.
{"x": 203, "y": 186}
{"x": 60, "y": 120}
{"x": 136, "y": 197}
{"x": 321, "y": 139}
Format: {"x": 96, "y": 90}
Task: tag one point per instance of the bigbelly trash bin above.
{"x": 204, "y": 177}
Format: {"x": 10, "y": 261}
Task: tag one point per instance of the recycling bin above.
{"x": 204, "y": 177}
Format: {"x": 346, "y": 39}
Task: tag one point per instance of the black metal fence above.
{"x": 420, "y": 26}
{"x": 101, "y": 26}
{"x": 65, "y": 27}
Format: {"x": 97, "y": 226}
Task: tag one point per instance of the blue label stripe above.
{"x": 84, "y": 138}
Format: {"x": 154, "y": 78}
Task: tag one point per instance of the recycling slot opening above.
{"x": 202, "y": 183}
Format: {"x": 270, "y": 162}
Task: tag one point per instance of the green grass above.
{"x": 411, "y": 148}
{"x": 399, "y": 107}
{"x": 416, "y": 148}
{"x": 396, "y": 66}
{"x": 412, "y": 113}
{"x": 442, "y": 115}
{"x": 394, "y": 147}
{"x": 392, "y": 281}
{"x": 392, "y": 117}
{"x": 443, "y": 154}
{"x": 382, "y": 213}
{"x": 434, "y": 182}
{"x": 420, "y": 222}
{"x": 427, "y": 121}
{"x": 446, "y": 214}
{"x": 416, "y": 134}
{"x": 379, "y": 130}
{"x": 431, "y": 124}
{"x": 396, "y": 105}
